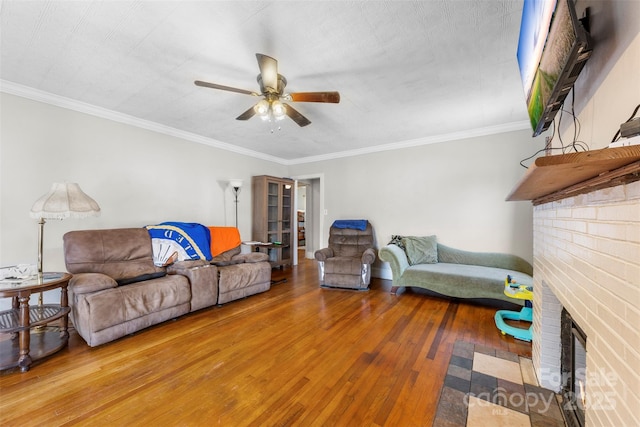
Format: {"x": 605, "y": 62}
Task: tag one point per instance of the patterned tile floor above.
{"x": 489, "y": 387}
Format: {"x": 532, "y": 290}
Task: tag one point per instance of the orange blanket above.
{"x": 223, "y": 239}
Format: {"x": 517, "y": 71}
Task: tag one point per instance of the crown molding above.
{"x": 455, "y": 136}
{"x": 82, "y": 107}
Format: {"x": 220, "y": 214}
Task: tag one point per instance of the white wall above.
{"x": 301, "y": 197}
{"x": 455, "y": 190}
{"x": 138, "y": 177}
{"x": 608, "y": 88}
{"x": 614, "y": 101}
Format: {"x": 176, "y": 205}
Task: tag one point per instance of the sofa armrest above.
{"x": 397, "y": 259}
{"x": 204, "y": 284}
{"x": 369, "y": 256}
{"x": 323, "y": 254}
{"x": 251, "y": 257}
{"x": 86, "y": 283}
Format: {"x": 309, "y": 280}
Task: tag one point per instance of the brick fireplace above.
{"x": 587, "y": 261}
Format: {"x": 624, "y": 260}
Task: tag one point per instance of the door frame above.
{"x": 318, "y": 214}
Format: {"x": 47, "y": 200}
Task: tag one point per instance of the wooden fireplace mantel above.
{"x": 557, "y": 177}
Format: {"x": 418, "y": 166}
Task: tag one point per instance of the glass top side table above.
{"x": 30, "y": 339}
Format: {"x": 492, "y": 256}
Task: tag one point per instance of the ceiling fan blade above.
{"x": 333, "y": 97}
{"x": 269, "y": 71}
{"x": 227, "y": 88}
{"x": 247, "y": 114}
{"x": 296, "y": 116}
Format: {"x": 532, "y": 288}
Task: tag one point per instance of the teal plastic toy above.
{"x": 515, "y": 290}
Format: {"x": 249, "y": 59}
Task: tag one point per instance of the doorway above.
{"x": 310, "y": 200}
{"x": 301, "y": 215}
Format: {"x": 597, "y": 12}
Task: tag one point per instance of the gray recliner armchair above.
{"x": 346, "y": 263}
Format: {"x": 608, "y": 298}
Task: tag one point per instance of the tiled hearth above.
{"x": 489, "y": 387}
{"x": 587, "y": 260}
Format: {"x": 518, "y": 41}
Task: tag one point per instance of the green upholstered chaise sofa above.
{"x": 458, "y": 273}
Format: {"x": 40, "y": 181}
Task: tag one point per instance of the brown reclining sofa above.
{"x": 117, "y": 290}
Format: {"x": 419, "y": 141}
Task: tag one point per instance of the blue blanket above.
{"x": 356, "y": 224}
{"x": 187, "y": 240}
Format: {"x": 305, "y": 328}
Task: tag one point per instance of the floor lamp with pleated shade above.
{"x": 64, "y": 200}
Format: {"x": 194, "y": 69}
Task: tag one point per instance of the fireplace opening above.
{"x": 574, "y": 369}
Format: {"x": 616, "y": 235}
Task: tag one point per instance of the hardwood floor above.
{"x": 295, "y": 355}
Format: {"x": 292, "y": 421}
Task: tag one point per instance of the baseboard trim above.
{"x": 382, "y": 273}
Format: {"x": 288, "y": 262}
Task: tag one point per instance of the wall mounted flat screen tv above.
{"x": 552, "y": 50}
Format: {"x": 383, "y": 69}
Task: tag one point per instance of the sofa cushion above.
{"x": 118, "y": 253}
{"x": 252, "y": 257}
{"x": 348, "y": 242}
{"x": 242, "y": 280}
{"x": 124, "y": 303}
{"x": 227, "y": 263}
{"x": 343, "y": 265}
{"x": 243, "y": 275}
{"x": 421, "y": 250}
{"x": 84, "y": 283}
{"x": 489, "y": 259}
{"x": 227, "y": 255}
{"x": 461, "y": 280}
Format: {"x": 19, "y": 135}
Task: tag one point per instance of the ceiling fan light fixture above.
{"x": 262, "y": 108}
{"x": 272, "y": 85}
{"x": 278, "y": 110}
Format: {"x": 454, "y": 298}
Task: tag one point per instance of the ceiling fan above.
{"x": 272, "y": 87}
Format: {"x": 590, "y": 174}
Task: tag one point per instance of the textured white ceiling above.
{"x": 406, "y": 70}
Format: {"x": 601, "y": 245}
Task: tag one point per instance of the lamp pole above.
{"x": 236, "y": 190}
{"x": 40, "y": 270}
{"x": 236, "y": 186}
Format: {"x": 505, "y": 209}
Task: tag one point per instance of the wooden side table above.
{"x": 257, "y": 246}
{"x": 263, "y": 247}
{"x": 30, "y": 338}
